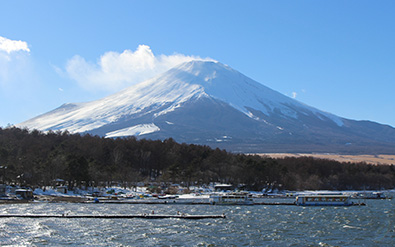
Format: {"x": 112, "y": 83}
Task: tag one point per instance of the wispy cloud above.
{"x": 115, "y": 70}
{"x": 8, "y": 45}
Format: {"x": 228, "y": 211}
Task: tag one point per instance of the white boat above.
{"x": 231, "y": 199}
{"x": 370, "y": 195}
{"x": 323, "y": 200}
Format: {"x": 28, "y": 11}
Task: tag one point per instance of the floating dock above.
{"x": 140, "y": 216}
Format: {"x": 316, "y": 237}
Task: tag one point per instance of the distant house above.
{"x": 24, "y": 193}
{"x": 221, "y": 187}
{"x": 59, "y": 182}
{"x": 3, "y": 188}
{"x": 62, "y": 189}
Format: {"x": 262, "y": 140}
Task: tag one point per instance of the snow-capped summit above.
{"x": 210, "y": 103}
{"x": 228, "y": 85}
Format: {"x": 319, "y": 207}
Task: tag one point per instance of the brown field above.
{"x": 370, "y": 159}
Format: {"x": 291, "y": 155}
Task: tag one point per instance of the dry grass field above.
{"x": 370, "y": 159}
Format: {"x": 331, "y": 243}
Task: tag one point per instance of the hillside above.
{"x": 39, "y": 159}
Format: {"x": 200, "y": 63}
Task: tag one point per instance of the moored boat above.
{"x": 371, "y": 195}
{"x": 323, "y": 200}
{"x": 231, "y": 199}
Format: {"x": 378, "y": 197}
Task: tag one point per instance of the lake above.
{"x": 371, "y": 225}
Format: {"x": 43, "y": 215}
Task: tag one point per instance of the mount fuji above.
{"x": 209, "y": 103}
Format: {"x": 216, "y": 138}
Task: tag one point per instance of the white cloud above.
{"x": 114, "y": 70}
{"x": 9, "y": 46}
{"x": 15, "y": 63}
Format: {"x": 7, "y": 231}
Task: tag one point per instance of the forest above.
{"x": 35, "y": 159}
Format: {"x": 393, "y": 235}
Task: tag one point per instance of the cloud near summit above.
{"x": 115, "y": 70}
{"x": 15, "y": 65}
{"x": 8, "y": 45}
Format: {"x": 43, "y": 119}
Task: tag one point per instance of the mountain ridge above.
{"x": 202, "y": 102}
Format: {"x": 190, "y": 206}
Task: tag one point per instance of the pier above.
{"x": 140, "y": 216}
{"x": 186, "y": 202}
{"x": 141, "y": 202}
{"x": 149, "y": 202}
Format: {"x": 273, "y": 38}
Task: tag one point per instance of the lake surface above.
{"x": 371, "y": 225}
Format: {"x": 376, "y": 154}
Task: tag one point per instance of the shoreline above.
{"x": 280, "y": 199}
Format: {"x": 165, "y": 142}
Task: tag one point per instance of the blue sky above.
{"x": 338, "y": 56}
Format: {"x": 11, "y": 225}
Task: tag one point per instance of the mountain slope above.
{"x": 210, "y": 103}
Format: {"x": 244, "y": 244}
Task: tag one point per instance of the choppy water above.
{"x": 371, "y": 225}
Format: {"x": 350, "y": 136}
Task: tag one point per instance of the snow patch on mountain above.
{"x": 137, "y": 130}
{"x": 161, "y": 94}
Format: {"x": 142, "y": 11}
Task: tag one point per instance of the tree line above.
{"x": 34, "y": 158}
